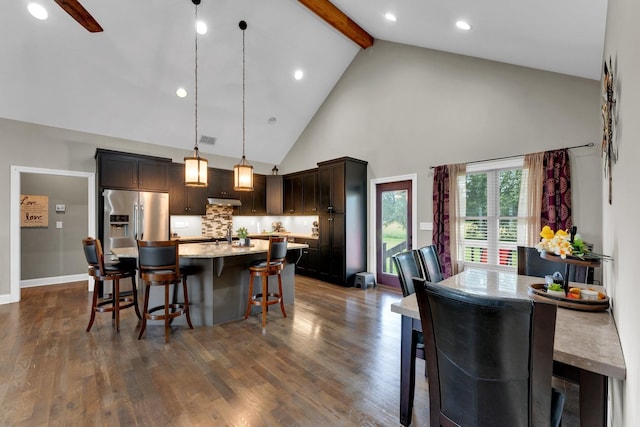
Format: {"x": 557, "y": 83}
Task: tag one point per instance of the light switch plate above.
{"x": 426, "y": 226}
{"x": 61, "y": 208}
{"x": 58, "y": 224}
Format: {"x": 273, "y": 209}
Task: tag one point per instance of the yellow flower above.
{"x": 546, "y": 233}
{"x": 562, "y": 234}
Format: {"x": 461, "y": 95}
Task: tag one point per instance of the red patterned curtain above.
{"x": 441, "y": 223}
{"x": 556, "y": 191}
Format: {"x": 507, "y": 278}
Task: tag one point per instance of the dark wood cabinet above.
{"x": 125, "y": 171}
{"x": 342, "y": 244}
{"x": 221, "y": 184}
{"x": 185, "y": 200}
{"x": 292, "y": 190}
{"x": 254, "y": 202}
{"x": 300, "y": 193}
{"x": 310, "y": 193}
{"x": 274, "y": 194}
{"x": 310, "y": 259}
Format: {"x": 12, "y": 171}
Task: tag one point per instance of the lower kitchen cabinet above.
{"x": 309, "y": 262}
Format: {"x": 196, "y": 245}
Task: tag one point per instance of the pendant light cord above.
{"x": 196, "y": 81}
{"x": 243, "y": 88}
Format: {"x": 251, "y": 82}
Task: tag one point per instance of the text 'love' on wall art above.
{"x": 34, "y": 211}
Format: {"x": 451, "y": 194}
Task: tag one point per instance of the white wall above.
{"x": 403, "y": 109}
{"x": 620, "y": 224}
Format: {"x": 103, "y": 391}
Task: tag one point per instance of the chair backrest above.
{"x": 408, "y": 268}
{"x": 94, "y": 255}
{"x": 277, "y": 249}
{"x": 490, "y": 360}
{"x": 158, "y": 255}
{"x": 530, "y": 264}
{"x": 430, "y": 263}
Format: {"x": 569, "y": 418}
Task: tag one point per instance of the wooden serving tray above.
{"x": 538, "y": 293}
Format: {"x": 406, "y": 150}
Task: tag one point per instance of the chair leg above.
{"x": 145, "y": 309}
{"x": 166, "y": 312}
{"x": 134, "y": 289}
{"x": 248, "y": 310}
{"x": 265, "y": 299}
{"x": 284, "y": 313}
{"x": 116, "y": 302}
{"x": 186, "y": 301}
{"x": 96, "y": 289}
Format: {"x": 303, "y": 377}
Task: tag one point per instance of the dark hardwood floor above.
{"x": 334, "y": 361}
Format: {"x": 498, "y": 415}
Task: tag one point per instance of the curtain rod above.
{"x": 591, "y": 144}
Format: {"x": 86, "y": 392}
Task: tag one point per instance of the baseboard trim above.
{"x": 45, "y": 281}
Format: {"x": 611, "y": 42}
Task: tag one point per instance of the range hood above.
{"x": 223, "y": 202}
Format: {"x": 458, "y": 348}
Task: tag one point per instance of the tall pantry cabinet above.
{"x": 342, "y": 214}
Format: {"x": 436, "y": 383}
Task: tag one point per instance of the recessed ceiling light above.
{"x": 463, "y": 25}
{"x": 37, "y": 11}
{"x": 298, "y": 75}
{"x": 181, "y": 92}
{"x": 201, "y": 27}
{"x": 390, "y": 17}
{"x": 272, "y": 120}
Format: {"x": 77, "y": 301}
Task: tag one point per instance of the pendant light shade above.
{"x": 243, "y": 171}
{"x": 195, "y": 168}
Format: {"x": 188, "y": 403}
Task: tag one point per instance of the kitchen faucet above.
{"x": 229, "y": 239}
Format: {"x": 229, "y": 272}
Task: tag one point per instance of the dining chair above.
{"x": 408, "y": 268}
{"x": 430, "y": 263}
{"x": 271, "y": 266}
{"x": 114, "y": 272}
{"x": 490, "y": 359}
{"x": 159, "y": 265}
{"x": 530, "y": 264}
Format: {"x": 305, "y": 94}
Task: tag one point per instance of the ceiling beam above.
{"x": 338, "y": 20}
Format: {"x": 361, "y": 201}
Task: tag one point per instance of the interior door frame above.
{"x": 373, "y": 183}
{"x": 15, "y": 244}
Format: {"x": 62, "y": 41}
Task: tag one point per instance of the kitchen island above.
{"x": 219, "y": 286}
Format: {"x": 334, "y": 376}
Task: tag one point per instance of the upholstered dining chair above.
{"x": 430, "y": 263}
{"x": 490, "y": 360}
{"x": 530, "y": 264}
{"x": 159, "y": 265}
{"x": 114, "y": 272}
{"x": 272, "y": 266}
{"x": 408, "y": 268}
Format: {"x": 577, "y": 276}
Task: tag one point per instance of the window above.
{"x": 491, "y": 220}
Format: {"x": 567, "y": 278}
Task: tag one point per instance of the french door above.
{"x": 393, "y": 227}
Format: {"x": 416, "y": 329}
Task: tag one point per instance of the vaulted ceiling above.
{"x": 122, "y": 82}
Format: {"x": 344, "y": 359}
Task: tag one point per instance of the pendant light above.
{"x": 195, "y": 168}
{"x": 243, "y": 171}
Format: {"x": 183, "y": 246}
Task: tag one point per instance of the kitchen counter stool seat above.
{"x": 160, "y": 266}
{"x": 272, "y": 266}
{"x": 101, "y": 272}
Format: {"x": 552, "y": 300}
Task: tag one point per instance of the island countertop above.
{"x": 212, "y": 249}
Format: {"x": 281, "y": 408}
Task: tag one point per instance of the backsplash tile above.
{"x": 217, "y": 220}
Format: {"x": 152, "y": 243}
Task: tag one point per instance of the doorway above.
{"x": 15, "y": 229}
{"x": 393, "y": 224}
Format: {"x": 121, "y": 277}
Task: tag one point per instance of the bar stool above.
{"x": 160, "y": 266}
{"x": 102, "y": 272}
{"x": 272, "y": 266}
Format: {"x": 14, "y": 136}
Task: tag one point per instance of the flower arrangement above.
{"x": 563, "y": 243}
{"x": 558, "y": 243}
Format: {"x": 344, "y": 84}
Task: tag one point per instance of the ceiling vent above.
{"x": 210, "y": 140}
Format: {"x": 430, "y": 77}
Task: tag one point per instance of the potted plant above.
{"x": 242, "y": 235}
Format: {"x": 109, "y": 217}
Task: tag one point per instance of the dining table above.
{"x": 586, "y": 351}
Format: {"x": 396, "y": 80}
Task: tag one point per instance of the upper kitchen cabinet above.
{"x": 132, "y": 172}
{"x": 274, "y": 194}
{"x": 300, "y": 193}
{"x": 184, "y": 200}
{"x": 221, "y": 184}
{"x": 339, "y": 180}
{"x": 254, "y": 202}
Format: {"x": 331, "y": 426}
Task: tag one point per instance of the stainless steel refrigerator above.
{"x": 134, "y": 215}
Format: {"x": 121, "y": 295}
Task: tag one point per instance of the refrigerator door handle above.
{"x": 141, "y": 217}
{"x": 135, "y": 221}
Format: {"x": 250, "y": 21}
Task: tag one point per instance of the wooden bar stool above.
{"x": 160, "y": 266}
{"x": 102, "y": 272}
{"x": 272, "y": 266}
